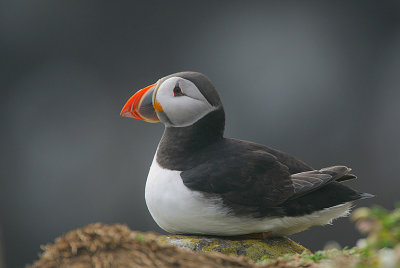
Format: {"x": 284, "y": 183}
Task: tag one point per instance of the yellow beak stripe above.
{"x": 157, "y": 106}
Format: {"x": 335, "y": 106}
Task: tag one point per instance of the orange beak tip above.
{"x": 126, "y": 114}
{"x": 126, "y": 110}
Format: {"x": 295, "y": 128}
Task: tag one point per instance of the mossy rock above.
{"x": 255, "y": 249}
{"x": 100, "y": 245}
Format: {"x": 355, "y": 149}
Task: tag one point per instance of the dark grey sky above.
{"x": 319, "y": 80}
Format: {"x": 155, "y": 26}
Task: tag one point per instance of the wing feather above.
{"x": 306, "y": 182}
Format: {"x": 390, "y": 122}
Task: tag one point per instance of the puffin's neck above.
{"x": 180, "y": 143}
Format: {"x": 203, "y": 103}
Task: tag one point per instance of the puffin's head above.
{"x": 177, "y": 100}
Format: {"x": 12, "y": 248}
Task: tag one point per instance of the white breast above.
{"x": 176, "y": 209}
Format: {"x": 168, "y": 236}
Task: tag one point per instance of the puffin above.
{"x": 203, "y": 183}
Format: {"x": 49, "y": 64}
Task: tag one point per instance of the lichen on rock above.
{"x": 254, "y": 249}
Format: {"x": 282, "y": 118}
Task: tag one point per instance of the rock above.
{"x": 254, "y": 249}
{"x": 100, "y": 245}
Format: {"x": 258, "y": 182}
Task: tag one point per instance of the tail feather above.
{"x": 347, "y": 177}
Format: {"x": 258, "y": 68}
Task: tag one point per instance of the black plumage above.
{"x": 252, "y": 179}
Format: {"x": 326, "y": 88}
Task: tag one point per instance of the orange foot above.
{"x": 255, "y": 236}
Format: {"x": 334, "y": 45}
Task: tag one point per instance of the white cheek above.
{"x": 184, "y": 111}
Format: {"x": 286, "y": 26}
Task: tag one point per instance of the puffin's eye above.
{"x": 177, "y": 91}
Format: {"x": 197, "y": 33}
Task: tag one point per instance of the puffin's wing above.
{"x": 306, "y": 182}
{"x": 245, "y": 178}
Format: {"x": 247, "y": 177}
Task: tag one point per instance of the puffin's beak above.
{"x": 140, "y": 105}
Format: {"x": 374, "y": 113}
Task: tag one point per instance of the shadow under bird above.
{"x": 203, "y": 183}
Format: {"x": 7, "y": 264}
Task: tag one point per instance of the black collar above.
{"x": 178, "y": 145}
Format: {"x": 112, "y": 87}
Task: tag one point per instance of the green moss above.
{"x": 251, "y": 248}
{"x": 140, "y": 238}
{"x": 229, "y": 251}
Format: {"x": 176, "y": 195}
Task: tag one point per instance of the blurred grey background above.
{"x": 319, "y": 80}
